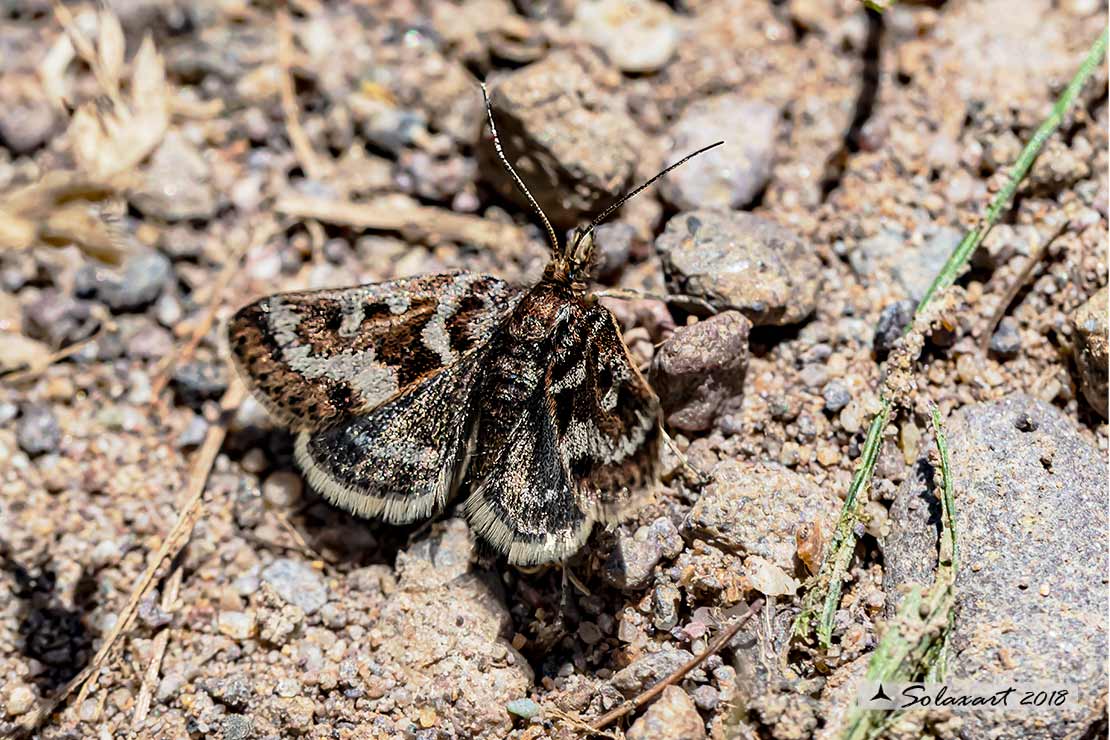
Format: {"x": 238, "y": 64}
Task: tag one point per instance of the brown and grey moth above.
{"x": 404, "y": 393}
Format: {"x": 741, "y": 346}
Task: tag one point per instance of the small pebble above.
{"x": 37, "y": 430}
{"x": 236, "y": 727}
{"x": 589, "y": 633}
{"x": 892, "y": 323}
{"x": 1006, "y": 340}
{"x": 706, "y": 697}
{"x": 523, "y": 708}
{"x": 297, "y": 583}
{"x": 283, "y": 489}
{"x": 836, "y": 396}
{"x": 237, "y": 625}
{"x": 20, "y": 700}
{"x": 288, "y": 688}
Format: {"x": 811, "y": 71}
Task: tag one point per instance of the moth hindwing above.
{"x": 401, "y": 392}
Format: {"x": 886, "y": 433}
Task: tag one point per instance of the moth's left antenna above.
{"x": 516, "y": 178}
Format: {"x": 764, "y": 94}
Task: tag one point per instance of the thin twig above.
{"x": 302, "y": 147}
{"x": 30, "y": 373}
{"x": 158, "y": 651}
{"x": 823, "y": 592}
{"x": 1023, "y": 277}
{"x": 576, "y": 722}
{"x": 420, "y": 222}
{"x": 173, "y": 543}
{"x": 648, "y": 696}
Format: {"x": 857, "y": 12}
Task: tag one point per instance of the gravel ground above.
{"x": 857, "y": 150}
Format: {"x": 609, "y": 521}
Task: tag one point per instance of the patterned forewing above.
{"x": 606, "y": 417}
{"x": 316, "y": 356}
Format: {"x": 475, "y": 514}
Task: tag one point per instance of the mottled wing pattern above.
{"x": 606, "y": 416}
{"x": 524, "y": 504}
{"x": 403, "y": 460}
{"x": 568, "y": 431}
{"x": 315, "y": 356}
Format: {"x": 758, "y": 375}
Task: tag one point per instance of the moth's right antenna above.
{"x": 516, "y": 178}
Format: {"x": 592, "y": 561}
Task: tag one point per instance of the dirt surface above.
{"x": 333, "y": 144}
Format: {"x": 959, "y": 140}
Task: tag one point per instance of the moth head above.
{"x": 579, "y": 253}
{"x": 576, "y": 258}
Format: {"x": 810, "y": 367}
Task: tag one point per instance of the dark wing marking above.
{"x": 524, "y": 505}
{"x": 315, "y": 356}
{"x": 403, "y": 460}
{"x": 607, "y": 418}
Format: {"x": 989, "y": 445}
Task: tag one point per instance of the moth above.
{"x": 402, "y": 393}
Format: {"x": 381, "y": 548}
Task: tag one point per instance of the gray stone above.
{"x": 37, "y": 431}
{"x": 135, "y": 287}
{"x": 236, "y": 727}
{"x": 743, "y": 262}
{"x": 672, "y": 716}
{"x": 892, "y": 324}
{"x": 144, "y": 340}
{"x": 26, "y": 125}
{"x": 523, "y": 708}
{"x": 706, "y": 697}
{"x": 58, "y": 319}
{"x": 664, "y": 605}
{"x": 632, "y": 561}
{"x": 648, "y": 31}
{"x": 1089, "y": 323}
{"x": 199, "y": 381}
{"x": 755, "y": 509}
{"x": 668, "y": 535}
{"x": 176, "y": 185}
{"x": 1006, "y": 340}
{"x": 732, "y": 175}
{"x": 614, "y": 245}
{"x": 568, "y": 135}
{"x": 648, "y": 670}
{"x": 836, "y": 396}
{"x": 700, "y": 368}
{"x": 1031, "y": 598}
{"x": 913, "y": 266}
{"x": 233, "y": 691}
{"x": 297, "y": 583}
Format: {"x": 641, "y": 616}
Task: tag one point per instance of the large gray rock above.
{"x": 568, "y": 137}
{"x": 700, "y": 369}
{"x": 1089, "y": 322}
{"x": 741, "y": 261}
{"x": 732, "y": 175}
{"x": 1030, "y": 497}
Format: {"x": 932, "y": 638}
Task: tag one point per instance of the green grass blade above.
{"x": 823, "y": 592}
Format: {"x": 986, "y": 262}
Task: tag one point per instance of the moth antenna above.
{"x": 516, "y": 178}
{"x": 628, "y": 196}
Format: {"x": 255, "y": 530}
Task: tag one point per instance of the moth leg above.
{"x": 677, "y": 300}
{"x": 700, "y": 477}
